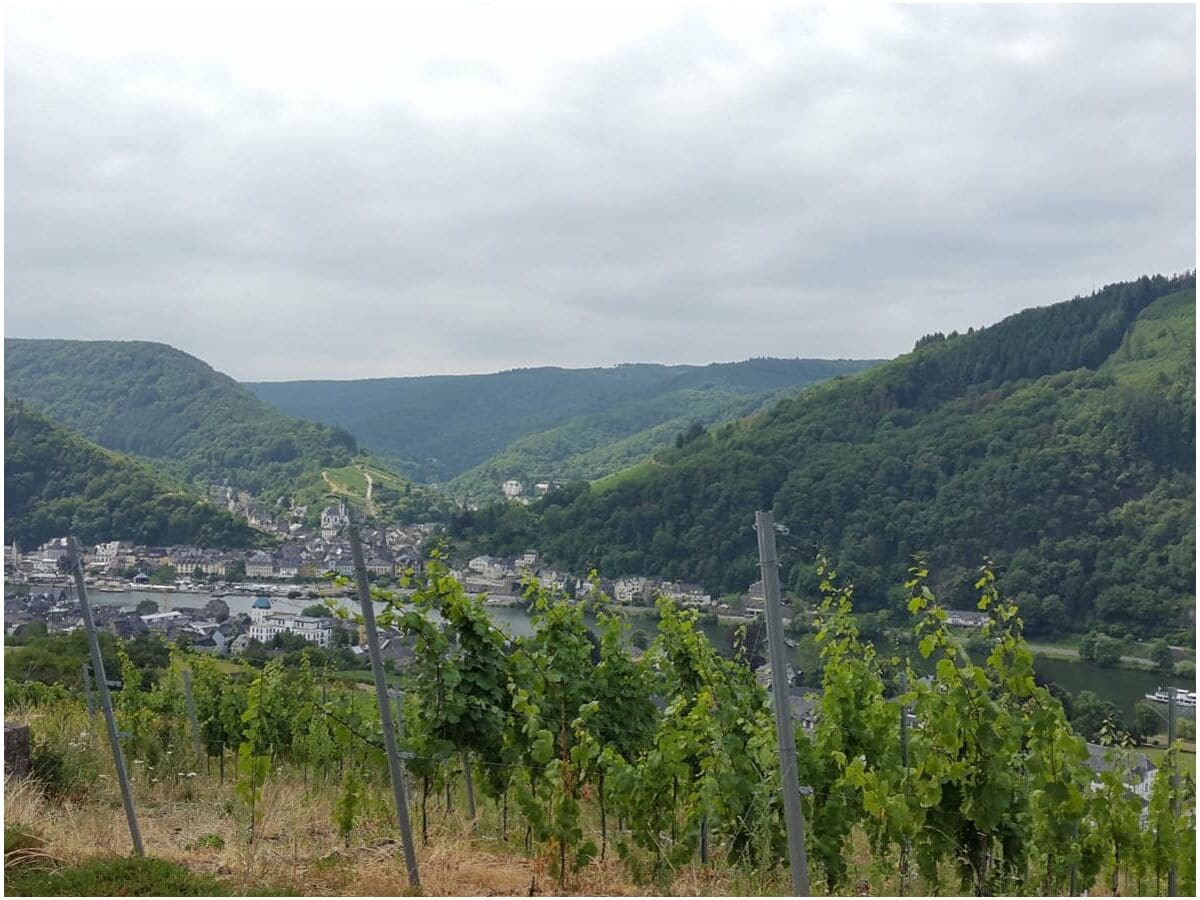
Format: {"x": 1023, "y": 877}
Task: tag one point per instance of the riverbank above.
{"x": 1066, "y": 652}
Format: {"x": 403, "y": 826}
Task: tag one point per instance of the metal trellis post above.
{"x": 793, "y": 813}
{"x": 105, "y": 699}
{"x": 399, "y": 790}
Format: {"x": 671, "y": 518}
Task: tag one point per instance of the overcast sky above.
{"x": 339, "y": 194}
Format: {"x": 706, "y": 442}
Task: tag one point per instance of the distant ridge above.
{"x": 546, "y": 422}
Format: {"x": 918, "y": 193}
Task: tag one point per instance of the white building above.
{"x": 318, "y": 631}
{"x": 686, "y": 594}
{"x": 111, "y": 552}
{"x": 966, "y": 618}
{"x": 160, "y": 621}
{"x": 260, "y": 609}
{"x": 487, "y": 566}
{"x": 53, "y": 550}
{"x": 333, "y": 520}
{"x": 629, "y": 589}
{"x": 260, "y": 565}
{"x": 512, "y": 489}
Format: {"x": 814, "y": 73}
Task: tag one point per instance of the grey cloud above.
{"x": 828, "y": 203}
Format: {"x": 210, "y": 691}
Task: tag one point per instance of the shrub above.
{"x": 207, "y": 842}
{"x": 119, "y": 877}
{"x": 23, "y": 847}
{"x": 33, "y": 693}
{"x": 62, "y": 772}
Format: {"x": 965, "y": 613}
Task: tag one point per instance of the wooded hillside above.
{"x": 1060, "y": 442}
{"x": 197, "y": 424}
{"x": 57, "y": 483}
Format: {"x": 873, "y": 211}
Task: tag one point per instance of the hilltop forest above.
{"x": 56, "y": 483}
{"x": 1060, "y": 442}
{"x": 198, "y": 425}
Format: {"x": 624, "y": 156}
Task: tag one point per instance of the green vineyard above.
{"x": 597, "y": 768}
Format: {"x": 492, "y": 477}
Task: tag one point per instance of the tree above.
{"x": 149, "y": 651}
{"x": 1087, "y": 646}
{"x": 1147, "y": 721}
{"x": 1161, "y": 653}
{"x": 147, "y": 606}
{"x": 1108, "y": 651}
{"x": 317, "y": 611}
{"x": 28, "y": 631}
{"x": 163, "y": 575}
{"x": 285, "y": 640}
{"x": 1089, "y": 713}
{"x": 255, "y": 652}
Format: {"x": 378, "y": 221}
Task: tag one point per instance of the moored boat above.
{"x": 1183, "y": 698}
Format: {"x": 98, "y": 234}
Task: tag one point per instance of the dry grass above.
{"x": 297, "y": 846}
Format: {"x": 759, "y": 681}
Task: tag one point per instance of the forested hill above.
{"x": 1060, "y": 441}
{"x": 539, "y": 423}
{"x": 56, "y": 483}
{"x": 201, "y": 426}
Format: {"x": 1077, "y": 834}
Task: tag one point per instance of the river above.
{"x": 1123, "y": 687}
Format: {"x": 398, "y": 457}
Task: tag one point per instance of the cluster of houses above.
{"x": 515, "y": 490}
{"x": 209, "y": 628}
{"x": 289, "y": 522}
{"x": 387, "y": 551}
{"x": 504, "y": 576}
{"x": 205, "y": 628}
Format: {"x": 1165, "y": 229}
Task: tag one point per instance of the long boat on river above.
{"x": 1183, "y": 698}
